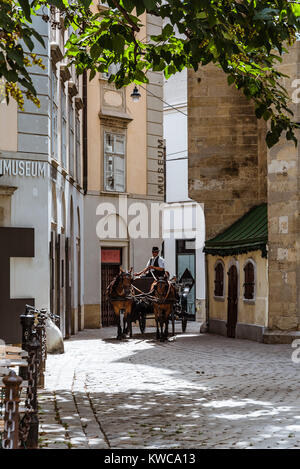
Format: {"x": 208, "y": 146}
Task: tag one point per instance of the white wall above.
{"x": 30, "y": 276}
{"x": 175, "y": 134}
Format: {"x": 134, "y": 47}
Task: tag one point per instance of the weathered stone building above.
{"x": 231, "y": 170}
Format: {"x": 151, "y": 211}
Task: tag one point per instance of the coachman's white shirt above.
{"x": 161, "y": 262}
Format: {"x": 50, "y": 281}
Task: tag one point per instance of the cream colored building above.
{"x": 41, "y": 193}
{"x": 237, "y": 277}
{"x": 125, "y": 171}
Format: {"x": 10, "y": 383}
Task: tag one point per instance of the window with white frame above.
{"x": 63, "y": 126}
{"x": 114, "y": 162}
{"x": 71, "y": 137}
{"x": 54, "y": 115}
{"x": 78, "y": 147}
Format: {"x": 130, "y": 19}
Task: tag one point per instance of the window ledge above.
{"x": 219, "y": 298}
{"x": 113, "y": 193}
{"x": 248, "y": 301}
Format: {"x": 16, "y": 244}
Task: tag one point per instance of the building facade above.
{"x": 41, "y": 212}
{"x": 179, "y": 240}
{"x": 231, "y": 171}
{"x": 125, "y": 182}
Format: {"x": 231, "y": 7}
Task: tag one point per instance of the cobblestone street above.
{"x": 195, "y": 391}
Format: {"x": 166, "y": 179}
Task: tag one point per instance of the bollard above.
{"x": 27, "y": 323}
{"x": 12, "y": 384}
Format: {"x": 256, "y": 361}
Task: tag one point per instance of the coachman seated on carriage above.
{"x": 155, "y": 265}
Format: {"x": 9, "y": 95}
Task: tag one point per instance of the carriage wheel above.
{"x": 183, "y": 324}
{"x": 142, "y": 323}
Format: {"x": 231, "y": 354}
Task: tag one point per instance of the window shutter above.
{"x": 219, "y": 280}
{"x": 249, "y": 281}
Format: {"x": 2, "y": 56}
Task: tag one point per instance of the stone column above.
{"x": 283, "y": 215}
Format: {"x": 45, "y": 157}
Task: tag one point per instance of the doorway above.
{"x": 111, "y": 259}
{"x": 185, "y": 266}
{"x": 232, "y": 301}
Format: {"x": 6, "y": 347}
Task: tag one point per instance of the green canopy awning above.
{"x": 249, "y": 233}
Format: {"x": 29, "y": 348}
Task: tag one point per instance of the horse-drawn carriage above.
{"x": 148, "y": 297}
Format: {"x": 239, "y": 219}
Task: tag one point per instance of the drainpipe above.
{"x": 84, "y": 131}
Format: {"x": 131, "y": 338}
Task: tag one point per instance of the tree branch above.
{"x": 125, "y": 14}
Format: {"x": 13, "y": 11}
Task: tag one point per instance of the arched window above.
{"x": 219, "y": 279}
{"x": 249, "y": 284}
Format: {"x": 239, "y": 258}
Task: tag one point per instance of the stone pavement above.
{"x": 194, "y": 391}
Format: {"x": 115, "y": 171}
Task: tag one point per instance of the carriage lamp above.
{"x": 135, "y": 95}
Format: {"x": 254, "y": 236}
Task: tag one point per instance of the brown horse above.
{"x": 165, "y": 295}
{"x": 119, "y": 292}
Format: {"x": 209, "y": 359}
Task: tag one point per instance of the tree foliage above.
{"x": 17, "y": 51}
{"x": 245, "y": 38}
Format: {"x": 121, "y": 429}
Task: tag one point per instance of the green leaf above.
{"x": 57, "y": 3}
{"x": 92, "y": 74}
{"x": 28, "y": 43}
{"x": 86, "y": 3}
{"x": 140, "y": 7}
{"x": 10, "y": 75}
{"x": 16, "y": 56}
{"x": 25, "y": 5}
{"x": 95, "y": 51}
{"x": 167, "y": 31}
{"x": 267, "y": 114}
{"x": 150, "y": 4}
{"x": 38, "y": 37}
{"x": 129, "y": 5}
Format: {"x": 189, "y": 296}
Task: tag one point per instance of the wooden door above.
{"x": 57, "y": 274}
{"x": 79, "y": 284}
{"x": 67, "y": 289}
{"x": 62, "y": 302}
{"x": 232, "y": 301}
{"x": 108, "y": 272}
{"x": 52, "y": 272}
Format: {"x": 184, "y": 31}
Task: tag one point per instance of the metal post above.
{"x": 41, "y": 334}
{"x": 12, "y": 384}
{"x": 27, "y": 323}
{"x": 33, "y": 371}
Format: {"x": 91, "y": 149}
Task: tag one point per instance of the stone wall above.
{"x": 283, "y": 215}
{"x": 227, "y": 151}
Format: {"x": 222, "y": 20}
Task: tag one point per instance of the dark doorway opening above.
{"x": 232, "y": 301}
{"x": 111, "y": 259}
